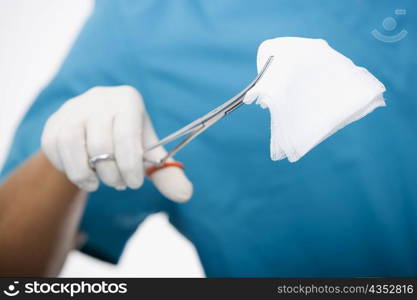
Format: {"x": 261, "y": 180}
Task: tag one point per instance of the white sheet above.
{"x": 311, "y": 91}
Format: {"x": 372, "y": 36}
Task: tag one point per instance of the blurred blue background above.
{"x": 349, "y": 208}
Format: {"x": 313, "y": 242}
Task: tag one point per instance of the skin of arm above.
{"x": 40, "y": 211}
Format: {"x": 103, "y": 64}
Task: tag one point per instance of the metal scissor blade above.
{"x": 196, "y": 127}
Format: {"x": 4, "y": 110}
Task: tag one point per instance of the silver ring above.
{"x": 102, "y": 157}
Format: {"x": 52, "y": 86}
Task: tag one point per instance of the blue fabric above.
{"x": 348, "y": 208}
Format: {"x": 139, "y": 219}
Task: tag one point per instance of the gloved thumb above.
{"x": 170, "y": 181}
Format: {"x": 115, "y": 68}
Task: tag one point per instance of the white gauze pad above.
{"x": 311, "y": 91}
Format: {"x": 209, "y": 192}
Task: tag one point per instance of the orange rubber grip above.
{"x": 153, "y": 169}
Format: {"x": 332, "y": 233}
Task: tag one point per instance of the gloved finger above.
{"x": 173, "y": 184}
{"x": 52, "y": 128}
{"x": 74, "y": 157}
{"x": 49, "y": 140}
{"x": 150, "y": 138}
{"x": 99, "y": 132}
{"x": 127, "y": 133}
{"x": 172, "y": 181}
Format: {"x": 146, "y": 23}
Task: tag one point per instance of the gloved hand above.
{"x": 109, "y": 120}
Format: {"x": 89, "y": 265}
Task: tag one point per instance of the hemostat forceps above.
{"x": 195, "y": 128}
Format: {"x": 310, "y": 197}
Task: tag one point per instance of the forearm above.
{"x": 39, "y": 215}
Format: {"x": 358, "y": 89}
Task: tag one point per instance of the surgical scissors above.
{"x": 195, "y": 128}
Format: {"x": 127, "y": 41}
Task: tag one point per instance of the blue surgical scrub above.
{"x": 348, "y": 208}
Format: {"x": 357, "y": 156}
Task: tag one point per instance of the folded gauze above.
{"x": 311, "y": 91}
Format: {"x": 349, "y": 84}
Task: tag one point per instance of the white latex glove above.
{"x": 109, "y": 120}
